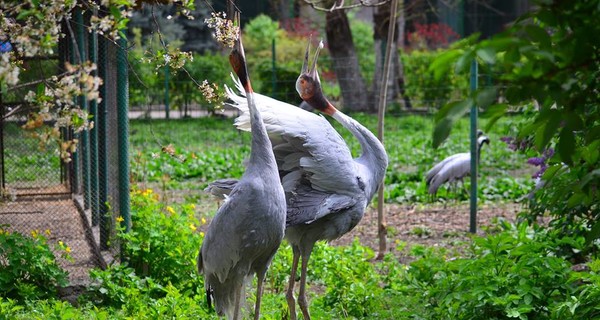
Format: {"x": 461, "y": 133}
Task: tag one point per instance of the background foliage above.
{"x": 550, "y": 57}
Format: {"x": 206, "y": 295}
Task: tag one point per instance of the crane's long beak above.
{"x": 305, "y": 62}
{"x": 237, "y": 59}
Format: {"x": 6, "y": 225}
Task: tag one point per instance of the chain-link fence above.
{"x": 75, "y": 202}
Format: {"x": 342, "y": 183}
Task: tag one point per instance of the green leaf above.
{"x": 538, "y": 34}
{"x": 441, "y": 64}
{"x": 552, "y": 171}
{"x": 589, "y": 177}
{"x": 593, "y": 234}
{"x": 494, "y": 113}
{"x": 41, "y": 89}
{"x": 548, "y": 125}
{"x": 442, "y": 131}
{"x": 464, "y": 62}
{"x": 591, "y": 152}
{"x": 566, "y": 146}
{"x": 574, "y": 121}
{"x": 446, "y": 117}
{"x": 486, "y": 97}
{"x": 487, "y": 54}
{"x": 576, "y": 199}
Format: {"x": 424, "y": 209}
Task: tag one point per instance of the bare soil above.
{"x": 432, "y": 224}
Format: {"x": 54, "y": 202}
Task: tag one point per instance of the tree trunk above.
{"x": 396, "y": 87}
{"x": 345, "y": 62}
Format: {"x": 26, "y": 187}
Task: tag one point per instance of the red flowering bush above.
{"x": 431, "y": 36}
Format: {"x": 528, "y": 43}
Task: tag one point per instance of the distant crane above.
{"x": 327, "y": 191}
{"x": 454, "y": 168}
{"x": 247, "y": 230}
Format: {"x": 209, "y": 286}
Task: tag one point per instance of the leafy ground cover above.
{"x": 508, "y": 270}
{"x": 188, "y": 154}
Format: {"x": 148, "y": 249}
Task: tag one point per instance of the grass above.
{"x": 211, "y": 148}
{"x": 28, "y": 165}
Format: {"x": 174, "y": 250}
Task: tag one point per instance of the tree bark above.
{"x": 396, "y": 87}
{"x": 345, "y": 62}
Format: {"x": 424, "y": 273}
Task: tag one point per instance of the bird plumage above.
{"x": 327, "y": 190}
{"x": 453, "y": 168}
{"x": 248, "y": 228}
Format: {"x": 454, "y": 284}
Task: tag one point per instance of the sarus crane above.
{"x": 248, "y": 228}
{"x": 326, "y": 189}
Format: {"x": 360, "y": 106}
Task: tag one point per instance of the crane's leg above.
{"x": 259, "y": 291}
{"x": 302, "y": 302}
{"x": 236, "y": 311}
{"x": 290, "y": 293}
{"x": 462, "y": 182}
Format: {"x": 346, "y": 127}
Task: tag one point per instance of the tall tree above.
{"x": 396, "y": 87}
{"x": 345, "y": 61}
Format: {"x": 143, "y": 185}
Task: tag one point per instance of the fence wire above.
{"x": 71, "y": 201}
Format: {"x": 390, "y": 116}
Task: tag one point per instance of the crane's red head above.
{"x": 308, "y": 84}
{"x": 237, "y": 59}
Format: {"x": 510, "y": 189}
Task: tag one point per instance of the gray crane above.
{"x": 248, "y": 228}
{"x": 327, "y": 191}
{"x": 453, "y": 168}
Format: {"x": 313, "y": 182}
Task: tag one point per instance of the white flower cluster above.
{"x": 9, "y": 69}
{"x": 38, "y": 29}
{"x": 226, "y": 32}
{"x": 59, "y": 101}
{"x": 174, "y": 58}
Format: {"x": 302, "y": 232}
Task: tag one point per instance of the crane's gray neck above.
{"x": 373, "y": 156}
{"x": 261, "y": 152}
{"x": 479, "y": 145}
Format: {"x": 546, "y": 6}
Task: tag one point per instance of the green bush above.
{"x": 362, "y": 35}
{"x": 423, "y": 88}
{"x": 286, "y": 75}
{"x": 28, "y": 267}
{"x": 162, "y": 243}
{"x": 512, "y": 274}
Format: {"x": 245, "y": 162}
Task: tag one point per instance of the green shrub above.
{"x": 119, "y": 285}
{"x": 362, "y": 36}
{"x": 338, "y": 268}
{"x": 423, "y": 88}
{"x": 513, "y": 274}
{"x": 286, "y": 75}
{"x": 259, "y": 32}
{"x": 28, "y": 267}
{"x": 163, "y": 243}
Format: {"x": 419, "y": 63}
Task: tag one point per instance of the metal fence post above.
{"x": 105, "y": 219}
{"x": 94, "y": 176}
{"x": 83, "y": 104}
{"x": 473, "y": 202}
{"x": 69, "y": 133}
{"x": 123, "y": 130}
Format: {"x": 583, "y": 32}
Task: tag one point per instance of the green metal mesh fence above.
{"x": 75, "y": 202}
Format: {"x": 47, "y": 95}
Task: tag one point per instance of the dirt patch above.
{"x": 57, "y": 220}
{"x": 431, "y": 225}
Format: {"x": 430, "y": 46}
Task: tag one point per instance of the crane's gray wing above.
{"x": 310, "y": 155}
{"x": 433, "y": 171}
{"x": 220, "y": 247}
{"x": 456, "y": 168}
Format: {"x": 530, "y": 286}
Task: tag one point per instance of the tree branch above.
{"x": 339, "y": 4}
